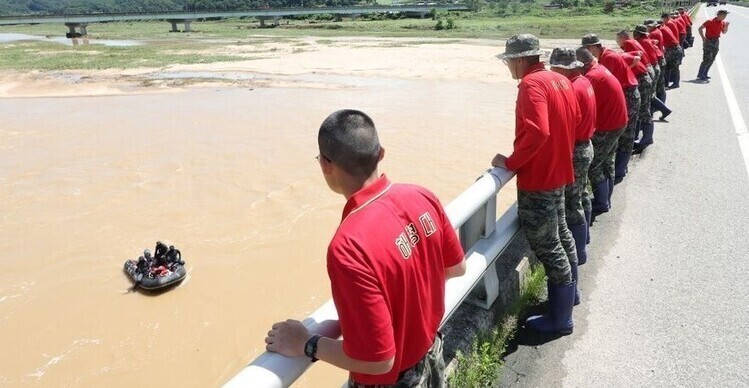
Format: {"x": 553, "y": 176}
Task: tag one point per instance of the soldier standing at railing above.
{"x": 620, "y": 69}
{"x": 576, "y": 195}
{"x": 710, "y": 32}
{"x": 387, "y": 263}
{"x": 611, "y": 122}
{"x": 545, "y": 118}
{"x": 688, "y": 20}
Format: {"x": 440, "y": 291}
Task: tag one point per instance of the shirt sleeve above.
{"x": 533, "y": 128}
{"x": 363, "y": 315}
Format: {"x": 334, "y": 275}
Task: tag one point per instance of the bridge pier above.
{"x": 276, "y": 20}
{"x": 75, "y": 34}
{"x": 174, "y": 23}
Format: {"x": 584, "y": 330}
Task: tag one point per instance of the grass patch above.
{"x": 482, "y": 366}
{"x": 54, "y": 56}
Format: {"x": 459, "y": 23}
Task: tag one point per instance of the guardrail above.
{"x": 474, "y": 214}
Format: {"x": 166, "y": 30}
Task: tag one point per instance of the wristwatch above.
{"x": 310, "y": 348}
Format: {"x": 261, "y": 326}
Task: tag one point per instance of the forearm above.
{"x": 331, "y": 351}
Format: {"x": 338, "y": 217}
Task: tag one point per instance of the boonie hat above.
{"x": 564, "y": 58}
{"x": 590, "y": 39}
{"x": 523, "y": 45}
{"x": 649, "y": 22}
{"x": 641, "y": 29}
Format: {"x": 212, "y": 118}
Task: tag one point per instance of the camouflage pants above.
{"x": 710, "y": 49}
{"x": 604, "y": 152}
{"x": 645, "y": 87}
{"x": 627, "y": 139}
{"x": 428, "y": 373}
{"x": 576, "y": 195}
{"x": 674, "y": 56}
{"x": 660, "y": 85}
{"x": 543, "y": 220}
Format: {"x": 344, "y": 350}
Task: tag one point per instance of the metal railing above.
{"x": 474, "y": 214}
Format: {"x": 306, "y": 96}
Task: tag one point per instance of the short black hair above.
{"x": 533, "y": 59}
{"x": 349, "y": 139}
{"x": 584, "y": 55}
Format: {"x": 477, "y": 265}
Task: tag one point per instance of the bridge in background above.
{"x": 78, "y": 23}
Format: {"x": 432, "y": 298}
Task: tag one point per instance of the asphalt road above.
{"x": 666, "y": 288}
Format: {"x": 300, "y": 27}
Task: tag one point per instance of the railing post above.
{"x": 479, "y": 226}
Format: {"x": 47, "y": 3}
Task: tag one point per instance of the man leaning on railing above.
{"x": 387, "y": 262}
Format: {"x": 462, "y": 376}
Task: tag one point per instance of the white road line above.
{"x": 742, "y": 134}
{"x": 733, "y": 107}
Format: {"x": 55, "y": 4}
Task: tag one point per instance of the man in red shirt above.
{"x": 640, "y": 63}
{"x": 611, "y": 122}
{"x": 546, "y": 116}
{"x": 674, "y": 51}
{"x": 576, "y": 196}
{"x": 688, "y": 21}
{"x": 710, "y": 32}
{"x": 616, "y": 64}
{"x": 387, "y": 263}
{"x": 656, "y": 36}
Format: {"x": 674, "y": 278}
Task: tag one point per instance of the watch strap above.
{"x": 310, "y": 347}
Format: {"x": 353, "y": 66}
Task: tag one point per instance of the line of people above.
{"x": 577, "y": 126}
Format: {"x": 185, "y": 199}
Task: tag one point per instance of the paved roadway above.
{"x": 666, "y": 291}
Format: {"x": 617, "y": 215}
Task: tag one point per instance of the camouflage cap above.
{"x": 564, "y": 58}
{"x": 523, "y": 45}
{"x": 641, "y": 29}
{"x": 590, "y": 40}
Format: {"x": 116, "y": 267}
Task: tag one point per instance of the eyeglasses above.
{"x": 321, "y": 156}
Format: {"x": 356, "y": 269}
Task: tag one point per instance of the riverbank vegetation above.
{"x": 494, "y": 20}
{"x": 481, "y": 366}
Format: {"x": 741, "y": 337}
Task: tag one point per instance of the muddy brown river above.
{"x": 227, "y": 175}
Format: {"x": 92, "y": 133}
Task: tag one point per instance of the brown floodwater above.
{"x": 229, "y": 177}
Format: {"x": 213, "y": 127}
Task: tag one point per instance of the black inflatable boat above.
{"x": 162, "y": 270}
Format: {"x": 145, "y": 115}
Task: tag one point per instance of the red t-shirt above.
{"x": 386, "y": 265}
{"x": 639, "y": 68}
{"x": 674, "y": 28}
{"x": 713, "y": 28}
{"x": 616, "y": 65}
{"x": 546, "y": 115}
{"x": 611, "y": 106}
{"x": 682, "y": 25}
{"x": 657, "y": 36}
{"x": 669, "y": 39}
{"x": 633, "y": 46}
{"x": 651, "y": 49}
{"x": 586, "y": 100}
{"x": 687, "y": 18}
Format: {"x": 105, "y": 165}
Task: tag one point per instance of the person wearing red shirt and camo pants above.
{"x": 710, "y": 32}
{"x": 576, "y": 195}
{"x": 688, "y": 20}
{"x": 616, "y": 64}
{"x": 611, "y": 122}
{"x": 546, "y": 115}
{"x": 387, "y": 262}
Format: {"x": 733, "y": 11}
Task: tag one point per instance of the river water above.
{"x": 229, "y": 177}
